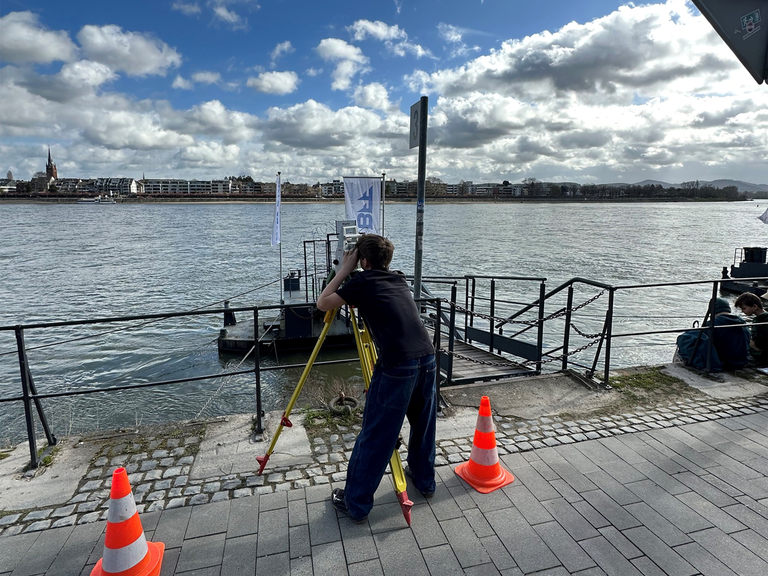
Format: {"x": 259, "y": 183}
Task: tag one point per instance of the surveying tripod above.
{"x": 367, "y": 353}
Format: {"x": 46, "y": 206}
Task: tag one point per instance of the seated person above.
{"x": 732, "y": 344}
{"x": 752, "y": 305}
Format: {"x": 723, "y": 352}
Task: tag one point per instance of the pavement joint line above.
{"x": 164, "y": 487}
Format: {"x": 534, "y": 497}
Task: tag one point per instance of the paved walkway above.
{"x": 680, "y": 500}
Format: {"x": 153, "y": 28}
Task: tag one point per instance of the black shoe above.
{"x": 407, "y": 470}
{"x": 337, "y": 499}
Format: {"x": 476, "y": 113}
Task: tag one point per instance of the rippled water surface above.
{"x": 70, "y": 262}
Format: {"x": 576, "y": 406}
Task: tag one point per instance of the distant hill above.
{"x": 742, "y": 186}
{"x": 655, "y": 183}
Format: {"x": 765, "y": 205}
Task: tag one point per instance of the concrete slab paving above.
{"x": 52, "y": 486}
{"x": 620, "y": 522}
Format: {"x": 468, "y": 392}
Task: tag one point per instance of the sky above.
{"x": 590, "y": 92}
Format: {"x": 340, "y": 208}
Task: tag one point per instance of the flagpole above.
{"x": 383, "y": 194}
{"x": 280, "y": 244}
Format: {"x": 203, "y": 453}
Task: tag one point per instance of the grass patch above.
{"x": 4, "y": 455}
{"x": 654, "y": 379}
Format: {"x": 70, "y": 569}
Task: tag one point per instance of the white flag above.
{"x": 276, "y": 225}
{"x": 764, "y": 217}
{"x": 362, "y": 197}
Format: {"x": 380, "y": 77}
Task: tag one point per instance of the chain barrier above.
{"x": 552, "y": 316}
{"x": 507, "y": 364}
{"x": 584, "y": 335}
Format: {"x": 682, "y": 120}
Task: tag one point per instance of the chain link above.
{"x": 584, "y": 335}
{"x": 523, "y": 322}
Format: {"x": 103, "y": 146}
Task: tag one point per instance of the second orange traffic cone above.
{"x": 483, "y": 471}
{"x": 126, "y": 550}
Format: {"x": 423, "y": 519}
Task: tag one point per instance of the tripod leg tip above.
{"x": 262, "y": 460}
{"x": 405, "y": 505}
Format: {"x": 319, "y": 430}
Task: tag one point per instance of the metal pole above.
{"x": 451, "y": 335}
{"x": 420, "y": 193}
{"x": 257, "y": 371}
{"x": 711, "y": 326}
{"x": 608, "y": 329}
{"x": 567, "y": 334}
{"x": 438, "y": 344}
{"x": 280, "y": 245}
{"x": 26, "y": 400}
{"x": 383, "y": 198}
{"x": 540, "y": 337}
{"x": 490, "y": 320}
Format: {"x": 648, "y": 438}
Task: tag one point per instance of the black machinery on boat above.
{"x": 748, "y": 263}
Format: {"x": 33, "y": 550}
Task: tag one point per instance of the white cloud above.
{"x": 182, "y": 83}
{"x": 132, "y": 52}
{"x": 275, "y": 82}
{"x": 226, "y": 15}
{"x": 86, "y": 73}
{"x": 24, "y": 39}
{"x": 188, "y": 9}
{"x": 394, "y": 37}
{"x": 282, "y": 48}
{"x": 212, "y": 119}
{"x": 350, "y": 61}
{"x": 205, "y": 77}
{"x": 379, "y": 30}
{"x": 449, "y": 33}
{"x": 208, "y": 154}
{"x": 374, "y": 95}
{"x": 313, "y": 71}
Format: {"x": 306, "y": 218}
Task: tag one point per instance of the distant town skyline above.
{"x": 601, "y": 92}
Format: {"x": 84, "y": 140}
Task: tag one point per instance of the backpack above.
{"x": 695, "y": 355}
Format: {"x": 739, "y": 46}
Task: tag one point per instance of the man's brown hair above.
{"x": 749, "y": 299}
{"x": 376, "y": 249}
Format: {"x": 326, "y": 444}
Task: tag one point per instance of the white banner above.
{"x": 362, "y": 197}
{"x": 276, "y": 226}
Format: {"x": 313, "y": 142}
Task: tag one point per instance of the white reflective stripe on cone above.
{"x": 484, "y": 424}
{"x": 120, "y": 509}
{"x": 484, "y": 456}
{"x": 122, "y": 559}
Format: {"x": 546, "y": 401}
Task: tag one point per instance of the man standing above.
{"x": 403, "y": 381}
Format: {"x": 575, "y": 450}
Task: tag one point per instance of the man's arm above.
{"x": 329, "y": 299}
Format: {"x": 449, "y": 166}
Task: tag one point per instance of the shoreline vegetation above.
{"x": 449, "y": 199}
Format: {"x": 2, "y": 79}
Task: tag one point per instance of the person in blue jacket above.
{"x": 732, "y": 344}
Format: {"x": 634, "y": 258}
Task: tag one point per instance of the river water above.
{"x": 68, "y": 262}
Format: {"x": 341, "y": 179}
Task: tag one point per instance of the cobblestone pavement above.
{"x": 159, "y": 469}
{"x": 683, "y": 492}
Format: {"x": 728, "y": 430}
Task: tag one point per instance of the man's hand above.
{"x": 329, "y": 300}
{"x": 349, "y": 263}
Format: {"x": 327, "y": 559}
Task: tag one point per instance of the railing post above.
{"x": 711, "y": 326}
{"x": 438, "y": 329}
{"x": 24, "y": 369}
{"x": 257, "y": 370}
{"x": 472, "y": 309}
{"x": 540, "y": 335}
{"x": 493, "y": 309}
{"x": 567, "y": 331}
{"x": 608, "y": 330}
{"x": 451, "y": 335}
{"x": 466, "y": 305}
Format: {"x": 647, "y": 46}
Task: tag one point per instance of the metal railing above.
{"x": 31, "y": 398}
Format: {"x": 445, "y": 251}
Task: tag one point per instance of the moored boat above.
{"x": 748, "y": 272}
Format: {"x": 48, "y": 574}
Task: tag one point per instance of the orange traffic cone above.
{"x": 126, "y": 550}
{"x": 483, "y": 471}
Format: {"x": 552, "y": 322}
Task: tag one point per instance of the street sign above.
{"x": 739, "y": 23}
{"x": 415, "y": 125}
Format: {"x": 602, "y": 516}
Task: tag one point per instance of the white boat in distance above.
{"x": 96, "y": 200}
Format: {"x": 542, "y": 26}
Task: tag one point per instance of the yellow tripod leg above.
{"x": 367, "y": 352}
{"x": 284, "y": 421}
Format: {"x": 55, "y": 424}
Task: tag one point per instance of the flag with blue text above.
{"x": 276, "y": 225}
{"x": 362, "y": 198}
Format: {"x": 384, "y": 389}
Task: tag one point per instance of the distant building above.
{"x": 7, "y": 186}
{"x": 50, "y": 167}
{"x": 335, "y": 188}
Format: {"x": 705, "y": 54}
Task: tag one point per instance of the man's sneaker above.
{"x": 337, "y": 499}
{"x": 407, "y": 470}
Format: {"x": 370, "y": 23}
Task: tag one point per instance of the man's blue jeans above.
{"x": 407, "y": 389}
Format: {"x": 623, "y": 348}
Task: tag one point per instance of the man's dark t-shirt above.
{"x": 385, "y": 303}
